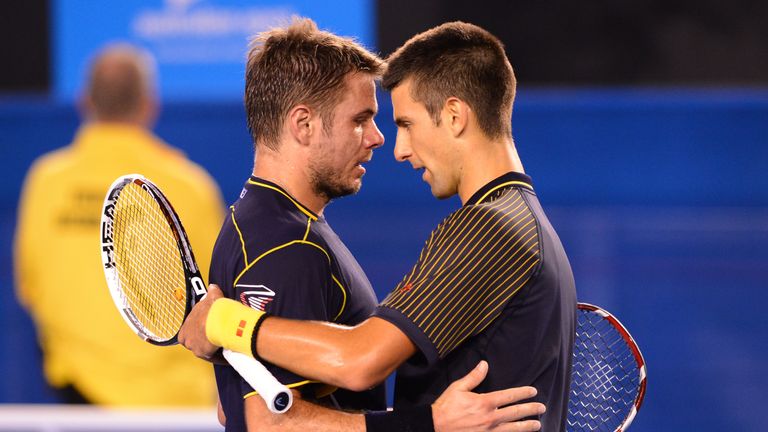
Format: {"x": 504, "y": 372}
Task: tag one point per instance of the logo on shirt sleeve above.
{"x": 405, "y": 288}
{"x": 257, "y": 296}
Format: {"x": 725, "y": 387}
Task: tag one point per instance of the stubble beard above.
{"x": 326, "y": 184}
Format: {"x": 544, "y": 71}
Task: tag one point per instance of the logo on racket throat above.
{"x": 107, "y": 231}
{"x": 197, "y": 285}
{"x": 257, "y": 296}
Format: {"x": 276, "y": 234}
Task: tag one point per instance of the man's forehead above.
{"x": 402, "y": 100}
{"x": 360, "y": 91}
{"x": 361, "y": 79}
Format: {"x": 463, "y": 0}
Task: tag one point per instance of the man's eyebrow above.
{"x": 368, "y": 112}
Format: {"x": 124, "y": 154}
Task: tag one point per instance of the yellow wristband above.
{"x": 230, "y": 325}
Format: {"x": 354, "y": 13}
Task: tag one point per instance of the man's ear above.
{"x": 300, "y": 124}
{"x": 85, "y": 107}
{"x": 149, "y": 111}
{"x": 456, "y": 115}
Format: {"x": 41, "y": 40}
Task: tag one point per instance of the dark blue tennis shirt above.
{"x": 274, "y": 254}
{"x": 492, "y": 283}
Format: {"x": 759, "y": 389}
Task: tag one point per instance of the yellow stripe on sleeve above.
{"x": 240, "y": 234}
{"x": 470, "y": 270}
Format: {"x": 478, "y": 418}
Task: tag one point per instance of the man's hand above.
{"x": 460, "y": 410}
{"x": 192, "y": 334}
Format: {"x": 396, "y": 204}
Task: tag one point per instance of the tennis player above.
{"x": 310, "y": 101}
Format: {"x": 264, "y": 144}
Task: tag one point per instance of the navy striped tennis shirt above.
{"x": 491, "y": 283}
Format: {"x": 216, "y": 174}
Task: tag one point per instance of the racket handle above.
{"x": 277, "y": 396}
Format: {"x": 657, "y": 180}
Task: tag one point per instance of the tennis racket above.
{"x": 153, "y": 277}
{"x": 608, "y": 375}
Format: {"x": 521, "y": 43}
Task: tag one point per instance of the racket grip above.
{"x": 277, "y": 396}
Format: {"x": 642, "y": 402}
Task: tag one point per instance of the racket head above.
{"x": 148, "y": 262}
{"x": 608, "y": 377}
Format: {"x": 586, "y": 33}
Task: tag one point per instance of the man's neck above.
{"x": 289, "y": 175}
{"x": 487, "y": 161}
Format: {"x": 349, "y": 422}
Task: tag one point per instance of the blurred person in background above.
{"x": 89, "y": 354}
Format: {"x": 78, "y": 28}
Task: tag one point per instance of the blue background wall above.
{"x": 198, "y": 45}
{"x": 660, "y": 197}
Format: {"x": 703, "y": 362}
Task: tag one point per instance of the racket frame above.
{"x": 195, "y": 287}
{"x": 638, "y": 356}
{"x": 278, "y": 397}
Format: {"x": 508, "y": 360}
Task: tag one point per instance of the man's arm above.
{"x": 354, "y": 358}
{"x": 457, "y": 410}
{"x": 30, "y": 234}
{"x": 302, "y": 417}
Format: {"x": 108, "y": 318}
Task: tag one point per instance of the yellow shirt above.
{"x": 59, "y": 273}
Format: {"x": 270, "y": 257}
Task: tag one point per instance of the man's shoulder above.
{"x": 53, "y": 162}
{"x": 506, "y": 218}
{"x": 178, "y": 170}
{"x": 504, "y": 212}
{"x": 470, "y": 217}
{"x": 263, "y": 225}
{"x": 50, "y": 170}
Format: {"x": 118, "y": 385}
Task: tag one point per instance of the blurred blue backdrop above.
{"x": 199, "y": 45}
{"x": 660, "y": 197}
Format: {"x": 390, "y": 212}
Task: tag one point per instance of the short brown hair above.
{"x": 298, "y": 64}
{"x": 120, "y": 80}
{"x": 457, "y": 60}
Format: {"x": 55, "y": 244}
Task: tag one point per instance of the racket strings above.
{"x": 605, "y": 378}
{"x": 147, "y": 260}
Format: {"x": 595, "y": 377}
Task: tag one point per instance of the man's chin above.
{"x": 340, "y": 191}
{"x": 355, "y": 188}
{"x": 441, "y": 194}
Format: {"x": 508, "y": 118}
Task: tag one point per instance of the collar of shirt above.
{"x": 266, "y": 184}
{"x": 511, "y": 178}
